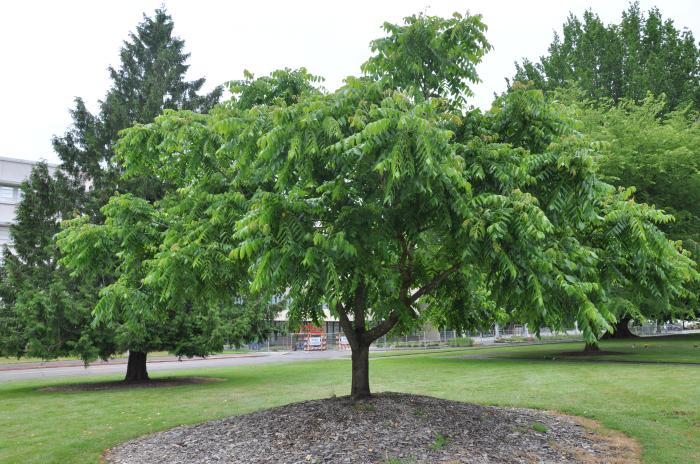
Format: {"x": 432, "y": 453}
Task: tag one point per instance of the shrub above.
{"x": 461, "y": 341}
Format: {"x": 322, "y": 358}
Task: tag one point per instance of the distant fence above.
{"x": 653, "y": 328}
{"x": 420, "y": 339}
{"x": 431, "y": 337}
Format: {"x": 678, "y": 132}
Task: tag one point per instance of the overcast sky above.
{"x": 53, "y": 51}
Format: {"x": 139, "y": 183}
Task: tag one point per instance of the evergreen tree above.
{"x": 641, "y": 54}
{"x": 45, "y": 313}
{"x": 48, "y": 312}
{"x": 151, "y": 79}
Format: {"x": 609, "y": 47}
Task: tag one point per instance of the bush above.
{"x": 514, "y": 339}
{"x": 462, "y": 341}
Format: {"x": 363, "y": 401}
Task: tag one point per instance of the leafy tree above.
{"x": 283, "y": 85}
{"x": 150, "y": 79}
{"x": 141, "y": 320}
{"x": 657, "y": 154}
{"x": 194, "y": 319}
{"x": 607, "y": 74}
{"x": 387, "y": 201}
{"x": 643, "y": 53}
{"x": 426, "y": 56}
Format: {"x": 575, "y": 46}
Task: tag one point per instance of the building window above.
{"x": 4, "y": 236}
{"x": 7, "y": 193}
{"x": 10, "y": 193}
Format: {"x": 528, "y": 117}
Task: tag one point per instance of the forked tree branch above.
{"x": 382, "y": 328}
{"x": 434, "y": 283}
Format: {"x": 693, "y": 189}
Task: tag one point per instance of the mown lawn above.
{"x": 658, "y": 404}
{"x": 678, "y": 348}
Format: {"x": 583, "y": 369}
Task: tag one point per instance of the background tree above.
{"x": 637, "y": 268}
{"x": 194, "y": 318}
{"x": 608, "y": 76}
{"x": 641, "y": 54}
{"x": 45, "y": 313}
{"x": 150, "y": 79}
{"x": 140, "y": 319}
{"x": 387, "y": 199}
{"x": 656, "y": 152}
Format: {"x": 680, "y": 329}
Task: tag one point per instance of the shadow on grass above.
{"x": 122, "y": 385}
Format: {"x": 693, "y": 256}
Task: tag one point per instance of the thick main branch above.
{"x": 347, "y": 326}
{"x": 381, "y": 328}
{"x": 359, "y": 306}
{"x": 433, "y": 284}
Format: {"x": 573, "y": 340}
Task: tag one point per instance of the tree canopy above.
{"x": 654, "y": 151}
{"x": 634, "y": 87}
{"x": 388, "y": 200}
{"x": 150, "y": 78}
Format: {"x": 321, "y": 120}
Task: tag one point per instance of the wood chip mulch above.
{"x": 390, "y": 428}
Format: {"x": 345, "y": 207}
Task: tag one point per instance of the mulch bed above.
{"x": 120, "y": 384}
{"x": 388, "y": 428}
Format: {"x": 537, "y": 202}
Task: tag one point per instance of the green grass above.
{"x": 440, "y": 442}
{"x": 537, "y": 427}
{"x": 11, "y": 360}
{"x": 657, "y": 404}
{"x": 399, "y": 461}
{"x": 678, "y": 348}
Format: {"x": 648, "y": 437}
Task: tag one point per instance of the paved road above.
{"x": 57, "y": 370}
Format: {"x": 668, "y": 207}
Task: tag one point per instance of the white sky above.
{"x": 53, "y": 51}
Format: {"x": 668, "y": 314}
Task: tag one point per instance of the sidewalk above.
{"x": 122, "y": 360}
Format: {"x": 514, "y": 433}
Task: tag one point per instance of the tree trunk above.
{"x": 360, "y": 373}
{"x": 136, "y": 368}
{"x": 622, "y": 329}
{"x": 361, "y": 338}
{"x": 591, "y": 347}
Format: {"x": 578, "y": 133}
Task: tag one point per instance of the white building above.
{"x": 12, "y": 173}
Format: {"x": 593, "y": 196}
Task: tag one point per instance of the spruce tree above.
{"x": 150, "y": 79}
{"x": 45, "y": 311}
